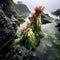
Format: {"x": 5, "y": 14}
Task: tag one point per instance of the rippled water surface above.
{"x": 49, "y": 48}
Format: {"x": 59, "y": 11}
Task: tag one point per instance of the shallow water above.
{"x": 49, "y": 48}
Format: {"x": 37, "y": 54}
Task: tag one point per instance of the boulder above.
{"x": 46, "y": 18}
{"x": 57, "y": 12}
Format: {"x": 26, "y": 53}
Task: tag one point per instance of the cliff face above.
{"x": 8, "y": 3}
{"x": 8, "y": 12}
{"x": 8, "y": 6}
{"x": 18, "y": 10}
{"x": 7, "y": 29}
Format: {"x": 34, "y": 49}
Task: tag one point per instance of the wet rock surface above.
{"x": 46, "y": 18}
{"x": 8, "y": 27}
{"x": 21, "y": 53}
{"x": 7, "y": 31}
{"x": 10, "y": 8}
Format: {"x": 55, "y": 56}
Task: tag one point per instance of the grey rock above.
{"x": 46, "y": 18}
{"x": 57, "y": 12}
{"x": 7, "y": 30}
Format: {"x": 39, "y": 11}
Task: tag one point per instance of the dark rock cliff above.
{"x": 17, "y": 10}
{"x": 7, "y": 29}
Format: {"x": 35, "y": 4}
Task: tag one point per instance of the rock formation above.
{"x": 7, "y": 29}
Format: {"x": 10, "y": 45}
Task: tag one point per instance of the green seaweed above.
{"x": 16, "y": 42}
{"x": 31, "y": 40}
{"x": 37, "y": 26}
{"x": 55, "y": 40}
{"x": 31, "y": 37}
{"x": 27, "y": 39}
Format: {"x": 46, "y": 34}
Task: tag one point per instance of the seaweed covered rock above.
{"x": 27, "y": 39}
{"x": 30, "y": 37}
{"x": 21, "y": 53}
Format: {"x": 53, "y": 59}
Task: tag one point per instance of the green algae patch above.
{"x": 52, "y": 34}
{"x": 49, "y": 44}
{"x": 55, "y": 39}
{"x": 27, "y": 39}
{"x": 42, "y": 48}
{"x": 16, "y": 42}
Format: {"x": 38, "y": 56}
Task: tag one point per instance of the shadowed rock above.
{"x": 57, "y": 12}
{"x": 10, "y": 8}
{"x": 7, "y": 32}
